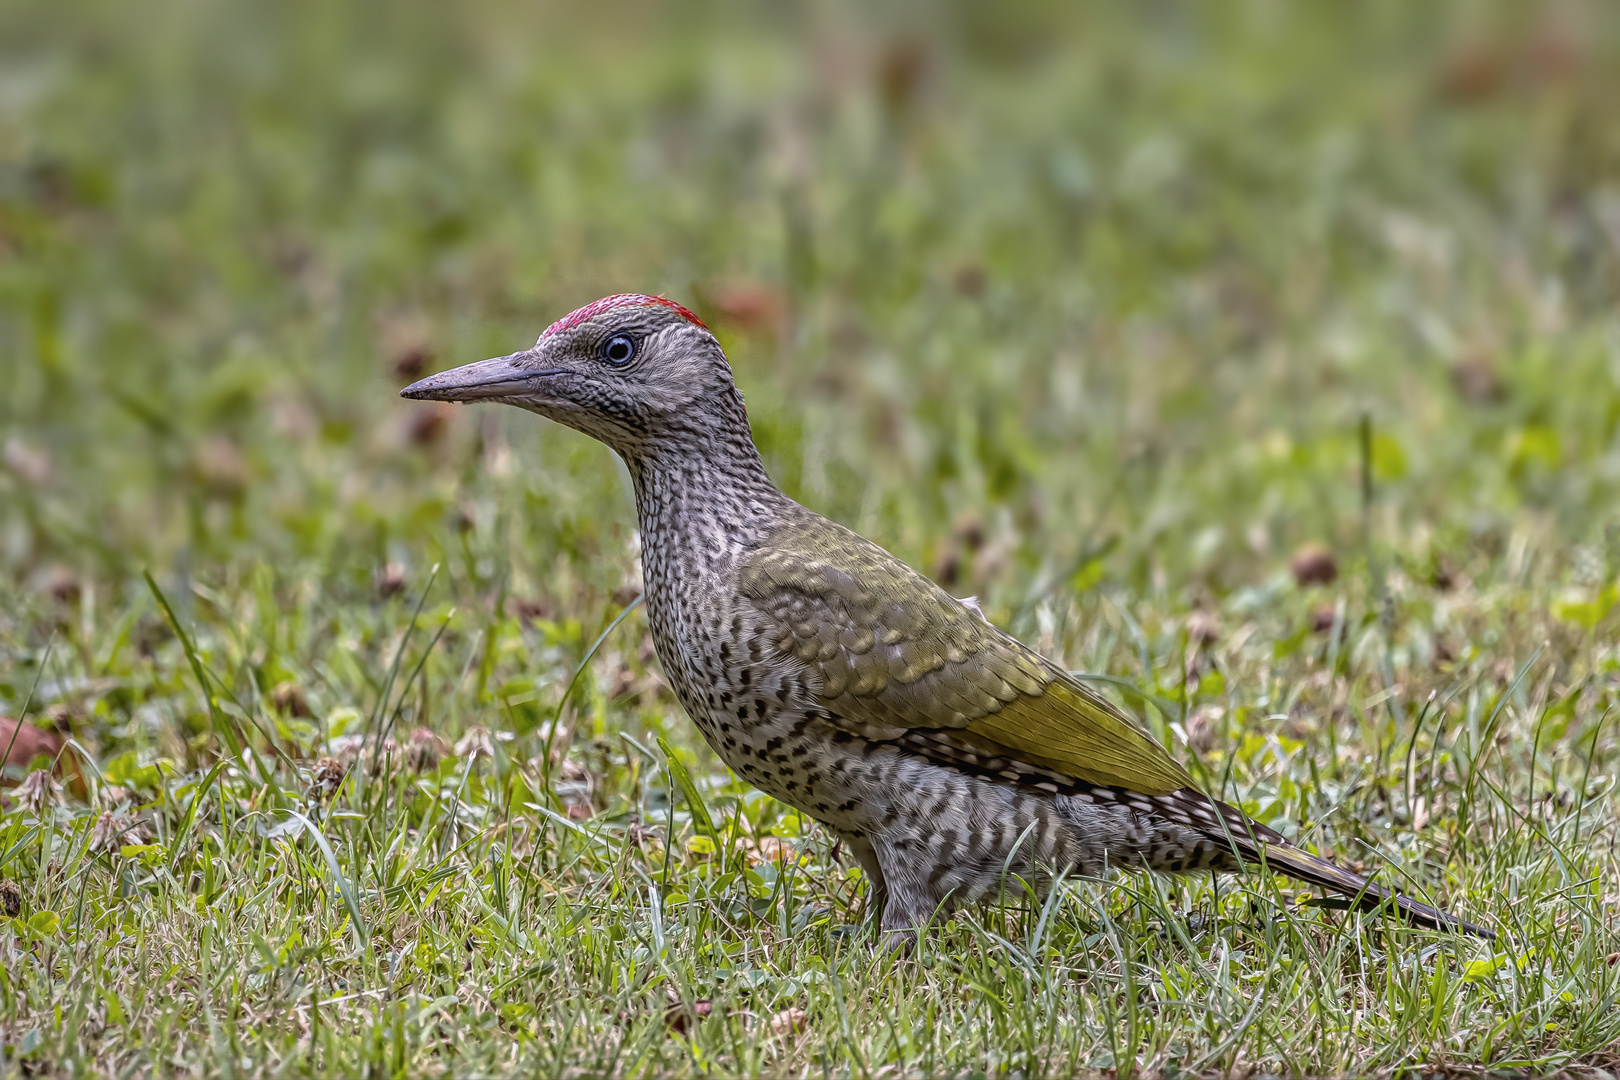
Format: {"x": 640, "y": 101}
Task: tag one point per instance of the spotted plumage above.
{"x": 946, "y": 754}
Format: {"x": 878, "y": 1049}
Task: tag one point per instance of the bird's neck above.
{"x": 702, "y": 494}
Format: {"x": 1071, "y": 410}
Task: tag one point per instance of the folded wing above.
{"x": 901, "y": 660}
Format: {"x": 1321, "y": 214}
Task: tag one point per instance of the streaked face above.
{"x": 625, "y": 369}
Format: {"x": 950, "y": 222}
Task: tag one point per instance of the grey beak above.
{"x": 482, "y": 381}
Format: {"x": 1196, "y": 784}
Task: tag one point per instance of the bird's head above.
{"x": 630, "y": 370}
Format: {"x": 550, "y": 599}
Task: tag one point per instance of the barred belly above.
{"x": 931, "y": 837}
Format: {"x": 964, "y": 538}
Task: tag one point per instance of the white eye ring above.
{"x": 619, "y": 349}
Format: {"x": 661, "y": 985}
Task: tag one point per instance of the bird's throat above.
{"x": 704, "y": 509}
{"x": 700, "y": 517}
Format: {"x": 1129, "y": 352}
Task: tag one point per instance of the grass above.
{"x": 1260, "y": 360}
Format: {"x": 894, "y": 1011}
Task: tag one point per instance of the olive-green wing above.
{"x": 901, "y": 660}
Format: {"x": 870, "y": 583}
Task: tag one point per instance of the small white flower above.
{"x": 38, "y": 790}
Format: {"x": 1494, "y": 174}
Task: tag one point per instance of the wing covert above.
{"x": 899, "y": 659}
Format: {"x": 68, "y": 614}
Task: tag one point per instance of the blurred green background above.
{"x": 1023, "y": 290}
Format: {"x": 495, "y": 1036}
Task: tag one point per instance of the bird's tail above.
{"x": 1285, "y": 858}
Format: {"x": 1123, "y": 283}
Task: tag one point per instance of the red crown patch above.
{"x": 608, "y": 303}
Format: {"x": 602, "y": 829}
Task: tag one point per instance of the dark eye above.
{"x": 618, "y": 349}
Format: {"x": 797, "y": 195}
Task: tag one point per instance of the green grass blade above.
{"x": 361, "y": 936}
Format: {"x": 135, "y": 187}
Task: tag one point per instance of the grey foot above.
{"x": 905, "y": 918}
{"x": 898, "y": 942}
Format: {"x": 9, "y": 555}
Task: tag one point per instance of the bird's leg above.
{"x": 908, "y": 906}
{"x": 895, "y": 913}
{"x": 877, "y": 896}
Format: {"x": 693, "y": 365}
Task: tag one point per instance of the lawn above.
{"x": 1261, "y": 361}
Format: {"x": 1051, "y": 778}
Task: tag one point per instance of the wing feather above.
{"x": 895, "y": 652}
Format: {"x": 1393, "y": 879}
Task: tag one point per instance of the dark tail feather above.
{"x": 1286, "y": 859}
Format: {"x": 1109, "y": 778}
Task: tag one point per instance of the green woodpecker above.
{"x": 944, "y": 753}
